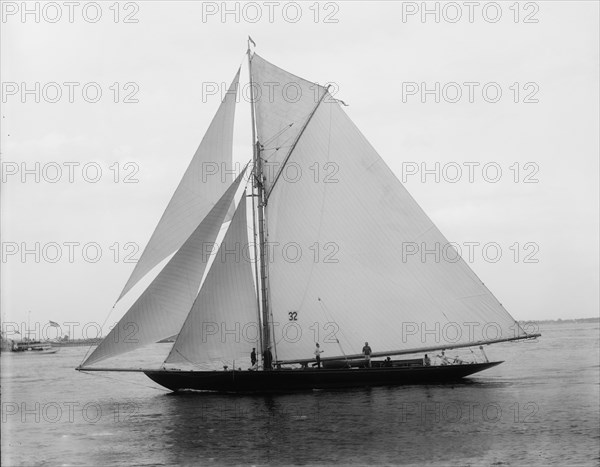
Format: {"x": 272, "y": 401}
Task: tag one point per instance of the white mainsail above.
{"x": 203, "y": 183}
{"x": 344, "y": 237}
{"x": 222, "y": 327}
{"x": 162, "y": 308}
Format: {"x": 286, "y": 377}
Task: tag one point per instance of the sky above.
{"x": 489, "y": 117}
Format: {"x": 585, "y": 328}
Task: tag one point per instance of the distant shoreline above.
{"x": 89, "y": 342}
{"x": 561, "y": 321}
{"x": 77, "y": 342}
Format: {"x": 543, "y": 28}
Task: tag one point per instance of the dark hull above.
{"x": 304, "y": 379}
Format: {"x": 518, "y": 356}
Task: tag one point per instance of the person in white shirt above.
{"x": 318, "y": 353}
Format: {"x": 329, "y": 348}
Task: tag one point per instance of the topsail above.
{"x": 284, "y": 103}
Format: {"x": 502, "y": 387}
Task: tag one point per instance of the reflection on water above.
{"x": 538, "y": 408}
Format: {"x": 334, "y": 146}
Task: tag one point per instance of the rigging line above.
{"x": 279, "y": 133}
{"x": 274, "y": 359}
{"x": 284, "y": 144}
{"x": 121, "y": 381}
{"x": 475, "y": 359}
{"x": 102, "y": 327}
{"x": 300, "y": 133}
{"x": 321, "y": 214}
{"x": 325, "y": 185}
{"x": 278, "y": 148}
{"x": 270, "y": 140}
{"x": 322, "y": 303}
{"x": 483, "y": 353}
{"x": 275, "y": 150}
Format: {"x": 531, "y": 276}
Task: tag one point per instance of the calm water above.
{"x": 541, "y": 407}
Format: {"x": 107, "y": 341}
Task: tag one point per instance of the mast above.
{"x": 258, "y": 184}
{"x": 258, "y": 179}
{"x": 253, "y": 195}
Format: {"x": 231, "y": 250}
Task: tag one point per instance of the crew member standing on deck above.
{"x": 367, "y": 353}
{"x": 253, "y": 357}
{"x": 318, "y": 353}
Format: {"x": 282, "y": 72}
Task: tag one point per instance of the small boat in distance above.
{"x": 33, "y": 346}
{"x": 336, "y": 254}
{"x": 29, "y": 345}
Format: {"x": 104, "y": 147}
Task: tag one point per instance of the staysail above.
{"x": 203, "y": 183}
{"x": 343, "y": 229}
{"x": 162, "y": 308}
{"x": 222, "y": 328}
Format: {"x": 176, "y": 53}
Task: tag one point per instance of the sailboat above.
{"x": 318, "y": 248}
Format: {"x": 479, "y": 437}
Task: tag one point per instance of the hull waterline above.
{"x": 306, "y": 379}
